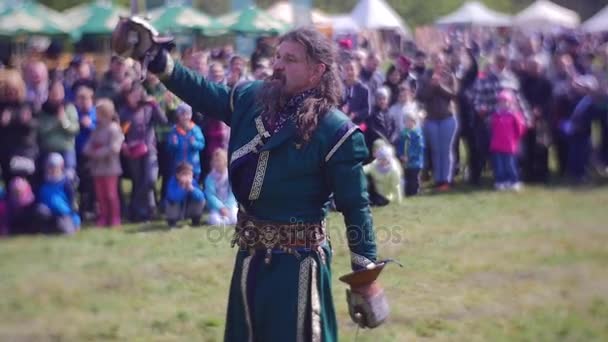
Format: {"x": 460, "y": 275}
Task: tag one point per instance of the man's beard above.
{"x": 272, "y": 94}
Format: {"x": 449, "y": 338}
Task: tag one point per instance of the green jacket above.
{"x": 55, "y": 135}
{"x": 288, "y": 182}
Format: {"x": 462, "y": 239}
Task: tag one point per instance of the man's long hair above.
{"x": 327, "y": 94}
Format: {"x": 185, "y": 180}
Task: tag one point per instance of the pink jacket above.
{"x": 103, "y": 149}
{"x": 507, "y": 129}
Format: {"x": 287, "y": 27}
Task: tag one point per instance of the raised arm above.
{"x": 202, "y": 95}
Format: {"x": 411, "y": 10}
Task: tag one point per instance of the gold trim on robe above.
{"x": 315, "y": 304}
{"x": 246, "y": 263}
{"x": 251, "y": 146}
{"x": 258, "y": 179}
{"x": 303, "y": 286}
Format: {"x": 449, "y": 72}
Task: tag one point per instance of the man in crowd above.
{"x": 112, "y": 80}
{"x": 536, "y": 89}
{"x": 217, "y": 73}
{"x": 356, "y": 100}
{"x": 496, "y": 78}
{"x": 371, "y": 76}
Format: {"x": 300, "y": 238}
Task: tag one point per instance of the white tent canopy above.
{"x": 344, "y": 23}
{"x": 284, "y": 11}
{"x": 597, "y": 23}
{"x": 475, "y": 13}
{"x": 544, "y": 14}
{"x": 377, "y": 14}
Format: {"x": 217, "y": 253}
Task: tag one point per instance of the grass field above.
{"x": 479, "y": 266}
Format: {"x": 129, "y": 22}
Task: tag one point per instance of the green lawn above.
{"x": 479, "y": 266}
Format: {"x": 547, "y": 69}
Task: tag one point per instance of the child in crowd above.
{"x": 56, "y": 194}
{"x": 385, "y": 176}
{"x": 406, "y": 103}
{"x": 103, "y": 154}
{"x": 186, "y": 140}
{"x": 184, "y": 196}
{"x": 222, "y": 203}
{"x": 507, "y": 128}
{"x": 24, "y": 215}
{"x": 411, "y": 153}
{"x": 378, "y": 123}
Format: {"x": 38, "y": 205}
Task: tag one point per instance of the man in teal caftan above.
{"x": 280, "y": 175}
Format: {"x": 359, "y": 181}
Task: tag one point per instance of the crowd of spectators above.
{"x": 69, "y": 136}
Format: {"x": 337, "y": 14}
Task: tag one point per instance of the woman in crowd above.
{"x": 58, "y": 127}
{"x": 438, "y": 91}
{"x": 394, "y": 79}
{"x": 138, "y": 117}
{"x": 18, "y": 129}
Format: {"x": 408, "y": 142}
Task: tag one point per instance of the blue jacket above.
{"x": 188, "y": 146}
{"x": 84, "y": 133}
{"x": 411, "y": 145}
{"x": 58, "y": 197}
{"x": 214, "y": 202}
{"x": 176, "y": 194}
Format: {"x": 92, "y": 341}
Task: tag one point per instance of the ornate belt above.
{"x": 253, "y": 234}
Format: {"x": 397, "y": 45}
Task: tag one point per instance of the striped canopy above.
{"x": 253, "y": 21}
{"x": 98, "y": 18}
{"x": 32, "y": 19}
{"x": 182, "y": 18}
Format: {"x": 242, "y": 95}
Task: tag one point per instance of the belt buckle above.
{"x": 249, "y": 233}
{"x": 269, "y": 236}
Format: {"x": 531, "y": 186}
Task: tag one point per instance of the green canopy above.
{"x": 182, "y": 18}
{"x": 30, "y": 18}
{"x": 99, "y": 18}
{"x": 253, "y": 21}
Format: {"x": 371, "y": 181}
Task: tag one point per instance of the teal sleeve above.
{"x": 204, "y": 96}
{"x": 349, "y": 185}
